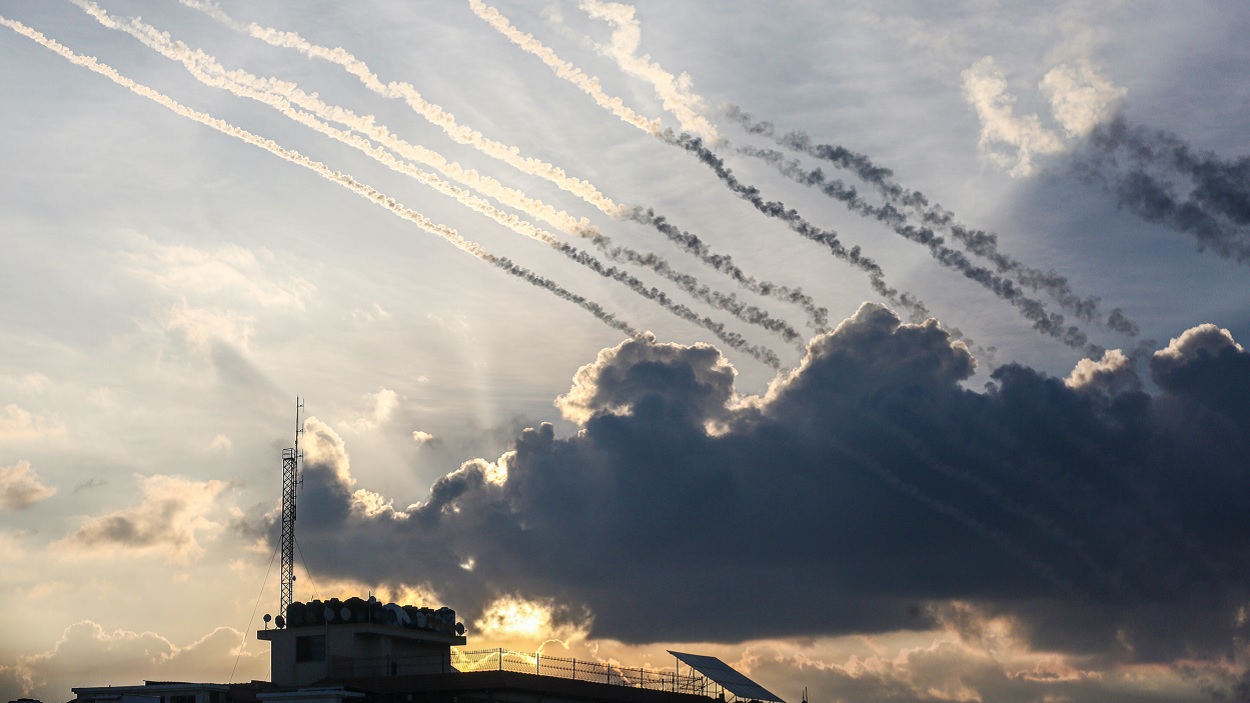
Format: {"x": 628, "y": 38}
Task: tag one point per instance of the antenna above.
{"x": 290, "y": 479}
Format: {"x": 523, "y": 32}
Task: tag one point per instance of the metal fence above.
{"x": 526, "y": 663}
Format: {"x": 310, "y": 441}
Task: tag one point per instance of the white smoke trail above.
{"x": 673, "y": 91}
{"x": 433, "y": 113}
{"x": 342, "y": 179}
{"x": 563, "y": 69}
{"x": 561, "y": 220}
{"x": 210, "y": 72}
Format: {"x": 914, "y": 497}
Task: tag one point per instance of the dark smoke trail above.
{"x": 932, "y": 215}
{"x": 1217, "y": 208}
{"x": 1034, "y": 311}
{"x": 818, "y": 316}
{"x": 750, "y": 314}
{"x": 829, "y": 239}
{"x": 733, "y": 339}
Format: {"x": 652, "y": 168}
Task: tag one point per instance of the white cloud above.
{"x": 1007, "y": 138}
{"x": 220, "y": 443}
{"x": 34, "y": 382}
{"x": 230, "y": 271}
{"x": 18, "y": 425}
{"x": 170, "y": 520}
{"x": 385, "y": 401}
{"x": 1080, "y": 96}
{"x": 20, "y": 487}
{"x": 202, "y": 326}
{"x": 88, "y": 655}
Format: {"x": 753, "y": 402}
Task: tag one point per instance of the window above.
{"x": 310, "y": 648}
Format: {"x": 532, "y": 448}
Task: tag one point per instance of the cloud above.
{"x": 88, "y": 655}
{"x": 220, "y": 443}
{"x": 21, "y": 488}
{"x": 170, "y": 520}
{"x": 1081, "y": 98}
{"x": 205, "y": 328}
{"x": 861, "y": 487}
{"x": 18, "y": 425}
{"x": 242, "y": 274}
{"x": 985, "y": 88}
{"x": 385, "y": 401}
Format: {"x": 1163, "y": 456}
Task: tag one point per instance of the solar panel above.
{"x": 728, "y": 677}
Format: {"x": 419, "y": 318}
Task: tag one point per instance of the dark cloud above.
{"x": 864, "y": 487}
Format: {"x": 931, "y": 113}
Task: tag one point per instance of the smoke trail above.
{"x": 562, "y": 68}
{"x": 733, "y": 339}
{"x": 818, "y": 316}
{"x": 342, "y": 179}
{"x": 561, "y": 220}
{"x": 673, "y": 91}
{"x": 796, "y": 222}
{"x": 975, "y": 241}
{"x": 1216, "y": 210}
{"x": 435, "y": 114}
{"x": 1031, "y": 309}
{"x": 241, "y": 83}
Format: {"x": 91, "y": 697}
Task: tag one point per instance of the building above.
{"x": 364, "y": 651}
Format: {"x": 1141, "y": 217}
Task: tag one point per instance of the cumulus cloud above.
{"x": 1111, "y": 374}
{"x": 21, "y": 488}
{"x": 89, "y": 655}
{"x": 170, "y": 520}
{"x": 867, "y": 485}
{"x": 385, "y": 401}
{"x": 333, "y": 487}
{"x": 18, "y": 425}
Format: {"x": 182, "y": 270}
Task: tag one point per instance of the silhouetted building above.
{"x": 364, "y": 651}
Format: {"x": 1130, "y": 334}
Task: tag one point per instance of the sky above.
{"x": 887, "y": 350}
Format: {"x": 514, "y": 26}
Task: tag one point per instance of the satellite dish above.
{"x": 346, "y": 614}
{"x": 400, "y": 617}
{"x": 329, "y": 614}
{"x": 268, "y": 617}
{"x": 281, "y": 622}
{"x": 421, "y": 620}
{"x": 459, "y": 628}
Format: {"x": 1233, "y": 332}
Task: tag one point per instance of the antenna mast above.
{"x": 290, "y": 479}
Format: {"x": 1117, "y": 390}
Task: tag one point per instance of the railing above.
{"x": 524, "y": 663}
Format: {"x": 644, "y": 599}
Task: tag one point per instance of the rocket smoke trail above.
{"x": 465, "y": 135}
{"x": 342, "y": 179}
{"x": 829, "y": 239}
{"x": 1031, "y": 309}
{"x": 241, "y": 83}
{"x": 1217, "y": 209}
{"x": 932, "y": 215}
{"x": 434, "y": 114}
{"x": 686, "y": 106}
{"x": 673, "y": 91}
{"x": 562, "y": 68}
